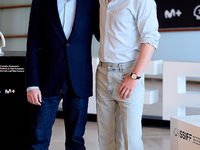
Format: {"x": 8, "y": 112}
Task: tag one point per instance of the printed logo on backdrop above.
{"x": 186, "y": 136}
{"x": 9, "y": 91}
{"x": 11, "y": 72}
{"x": 178, "y": 14}
{"x": 172, "y": 13}
{"x": 197, "y": 12}
{"x": 11, "y": 68}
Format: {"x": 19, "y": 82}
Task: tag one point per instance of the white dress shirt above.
{"x": 124, "y": 26}
{"x": 66, "y": 11}
{"x": 67, "y": 14}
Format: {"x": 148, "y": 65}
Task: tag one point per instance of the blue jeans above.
{"x": 119, "y": 120}
{"x": 75, "y": 117}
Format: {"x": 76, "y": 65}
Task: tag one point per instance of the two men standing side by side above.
{"x": 128, "y": 37}
{"x": 58, "y": 65}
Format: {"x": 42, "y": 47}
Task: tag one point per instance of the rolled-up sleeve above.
{"x": 147, "y": 22}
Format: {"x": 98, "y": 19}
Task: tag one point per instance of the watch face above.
{"x": 134, "y": 76}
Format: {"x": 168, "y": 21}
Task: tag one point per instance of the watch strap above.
{"x": 137, "y": 77}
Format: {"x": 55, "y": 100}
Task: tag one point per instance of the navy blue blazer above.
{"x": 49, "y": 52}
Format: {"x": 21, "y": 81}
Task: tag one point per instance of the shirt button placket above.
{"x": 106, "y": 35}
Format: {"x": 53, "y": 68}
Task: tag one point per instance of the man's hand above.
{"x": 127, "y": 87}
{"x": 34, "y": 97}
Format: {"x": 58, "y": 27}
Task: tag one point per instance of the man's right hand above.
{"x": 34, "y": 97}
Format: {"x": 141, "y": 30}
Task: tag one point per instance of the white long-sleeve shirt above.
{"x": 66, "y": 12}
{"x": 124, "y": 26}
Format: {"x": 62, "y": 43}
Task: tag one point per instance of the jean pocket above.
{"x": 127, "y": 71}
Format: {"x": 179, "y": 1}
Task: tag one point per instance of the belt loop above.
{"x": 120, "y": 67}
{"x": 101, "y": 63}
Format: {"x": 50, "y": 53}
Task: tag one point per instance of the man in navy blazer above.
{"x": 58, "y": 67}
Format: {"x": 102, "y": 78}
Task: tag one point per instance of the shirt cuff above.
{"x": 31, "y": 88}
{"x": 152, "y": 41}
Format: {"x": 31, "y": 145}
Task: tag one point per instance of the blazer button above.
{"x": 65, "y": 60}
{"x": 67, "y": 44}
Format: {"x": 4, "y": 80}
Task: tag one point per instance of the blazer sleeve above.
{"x": 32, "y": 53}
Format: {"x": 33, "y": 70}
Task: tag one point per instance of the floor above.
{"x": 153, "y": 138}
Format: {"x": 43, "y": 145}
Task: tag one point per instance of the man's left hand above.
{"x": 127, "y": 87}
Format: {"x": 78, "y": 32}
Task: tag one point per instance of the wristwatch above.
{"x": 134, "y": 76}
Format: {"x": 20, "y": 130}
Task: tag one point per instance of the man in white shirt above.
{"x": 128, "y": 37}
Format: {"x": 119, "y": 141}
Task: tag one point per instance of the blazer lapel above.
{"x": 51, "y": 6}
{"x": 80, "y": 8}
